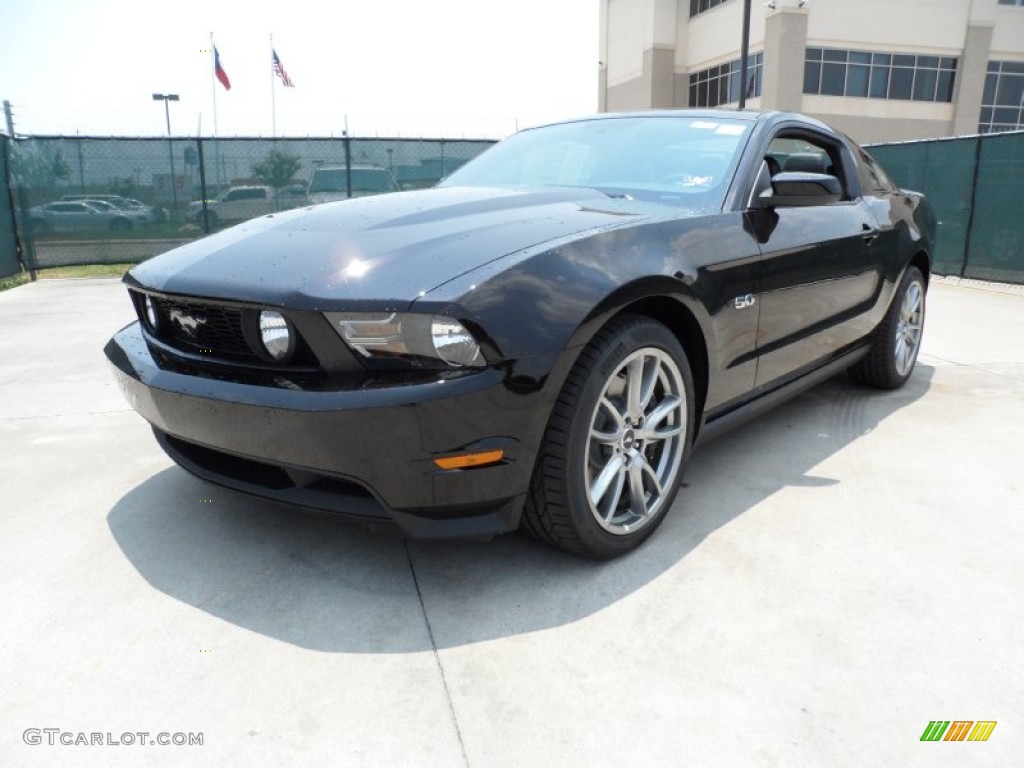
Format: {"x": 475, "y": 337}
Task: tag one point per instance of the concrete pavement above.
{"x": 836, "y": 575}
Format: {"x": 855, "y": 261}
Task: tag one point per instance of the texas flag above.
{"x": 219, "y": 70}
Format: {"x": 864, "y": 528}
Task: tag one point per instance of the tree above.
{"x": 39, "y": 167}
{"x": 277, "y": 168}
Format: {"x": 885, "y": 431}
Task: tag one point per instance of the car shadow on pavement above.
{"x": 317, "y": 582}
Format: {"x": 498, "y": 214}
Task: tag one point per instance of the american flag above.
{"x": 279, "y": 70}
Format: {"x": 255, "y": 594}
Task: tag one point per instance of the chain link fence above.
{"x": 974, "y": 186}
{"x": 83, "y": 200}
{"x": 79, "y": 200}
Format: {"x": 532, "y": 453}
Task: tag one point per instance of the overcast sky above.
{"x": 406, "y": 67}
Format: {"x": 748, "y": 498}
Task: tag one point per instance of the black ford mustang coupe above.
{"x": 540, "y": 340}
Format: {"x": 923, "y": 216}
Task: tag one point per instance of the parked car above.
{"x": 331, "y": 182}
{"x": 78, "y": 216}
{"x": 135, "y": 209}
{"x": 136, "y": 216}
{"x": 247, "y": 202}
{"x": 541, "y": 340}
{"x": 112, "y": 199}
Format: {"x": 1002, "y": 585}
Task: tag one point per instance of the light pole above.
{"x": 744, "y": 54}
{"x": 165, "y": 98}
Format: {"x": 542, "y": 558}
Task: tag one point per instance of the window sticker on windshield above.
{"x": 703, "y": 124}
{"x": 729, "y": 130}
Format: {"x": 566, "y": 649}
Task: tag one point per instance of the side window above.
{"x": 801, "y": 154}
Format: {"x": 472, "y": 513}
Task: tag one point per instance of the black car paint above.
{"x": 387, "y": 251}
{"x": 568, "y": 260}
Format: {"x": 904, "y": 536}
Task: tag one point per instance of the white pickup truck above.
{"x": 331, "y": 182}
{"x": 241, "y": 203}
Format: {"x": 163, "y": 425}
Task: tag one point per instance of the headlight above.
{"x": 152, "y": 318}
{"x": 452, "y": 342}
{"x": 275, "y": 335}
{"x": 378, "y": 335}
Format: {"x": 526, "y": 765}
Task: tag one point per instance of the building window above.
{"x": 1001, "y": 2}
{"x": 838, "y": 72}
{"x": 1002, "y": 104}
{"x": 699, "y": 6}
{"x": 721, "y": 85}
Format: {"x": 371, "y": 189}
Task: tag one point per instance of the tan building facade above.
{"x": 881, "y": 70}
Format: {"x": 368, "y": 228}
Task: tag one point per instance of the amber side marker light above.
{"x": 470, "y": 460}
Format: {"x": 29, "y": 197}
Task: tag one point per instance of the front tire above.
{"x": 616, "y": 444}
{"x": 893, "y": 353}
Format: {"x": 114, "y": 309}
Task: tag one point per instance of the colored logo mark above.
{"x": 958, "y": 730}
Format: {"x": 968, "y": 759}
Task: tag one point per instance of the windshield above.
{"x": 653, "y": 158}
{"x": 363, "y": 180}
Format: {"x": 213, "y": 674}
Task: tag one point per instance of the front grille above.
{"x": 203, "y": 328}
{"x": 219, "y": 333}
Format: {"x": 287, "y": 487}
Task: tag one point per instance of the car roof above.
{"x": 746, "y": 115}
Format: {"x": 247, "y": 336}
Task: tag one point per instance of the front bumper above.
{"x": 355, "y": 447}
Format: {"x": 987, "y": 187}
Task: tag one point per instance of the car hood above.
{"x": 390, "y": 248}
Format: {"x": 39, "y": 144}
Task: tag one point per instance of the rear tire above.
{"x": 617, "y": 442}
{"x": 893, "y": 353}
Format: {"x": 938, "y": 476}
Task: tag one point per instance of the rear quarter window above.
{"x": 873, "y": 179}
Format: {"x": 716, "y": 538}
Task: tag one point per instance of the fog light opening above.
{"x": 152, "y": 318}
{"x": 275, "y": 335}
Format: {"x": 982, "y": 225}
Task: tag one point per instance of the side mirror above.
{"x": 791, "y": 189}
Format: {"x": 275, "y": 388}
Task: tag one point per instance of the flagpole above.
{"x": 273, "y": 94}
{"x": 213, "y": 85}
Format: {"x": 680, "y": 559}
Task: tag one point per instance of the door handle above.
{"x": 869, "y": 234}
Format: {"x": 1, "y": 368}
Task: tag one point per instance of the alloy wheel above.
{"x": 908, "y": 328}
{"x": 636, "y": 442}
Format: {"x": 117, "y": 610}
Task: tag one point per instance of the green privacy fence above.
{"x": 975, "y": 185}
{"x": 8, "y": 242}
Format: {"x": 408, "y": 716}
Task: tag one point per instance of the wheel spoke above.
{"x": 912, "y": 302}
{"x": 639, "y": 470}
{"x": 599, "y": 487}
{"x": 650, "y": 380}
{"x": 662, "y": 411}
{"x": 611, "y": 503}
{"x": 608, "y": 438}
{"x": 634, "y": 386}
{"x": 637, "y": 497}
{"x": 648, "y": 470}
{"x": 602, "y": 435}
